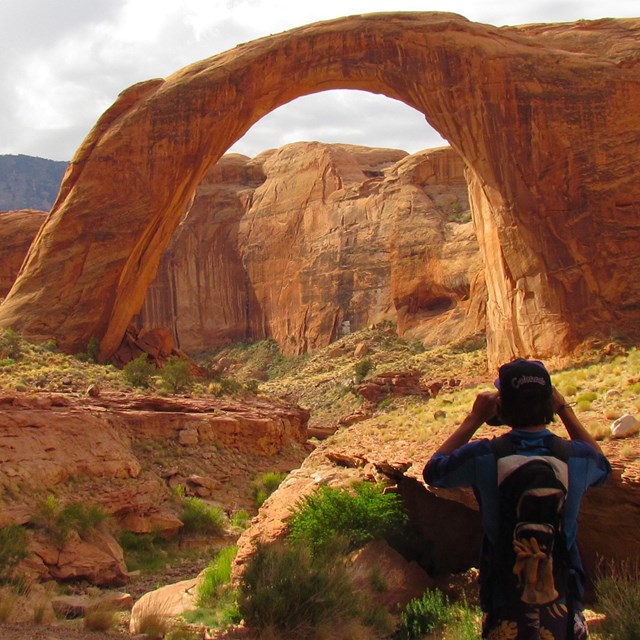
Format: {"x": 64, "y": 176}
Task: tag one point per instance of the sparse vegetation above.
{"x": 286, "y": 588}
{"x": 176, "y": 375}
{"x": 618, "y": 596}
{"x": 138, "y": 371}
{"x": 199, "y": 517}
{"x": 264, "y": 485}
{"x": 59, "y": 521}
{"x": 13, "y": 549}
{"x": 362, "y": 369}
{"x": 365, "y": 513}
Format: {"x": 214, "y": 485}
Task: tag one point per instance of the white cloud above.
{"x": 64, "y": 62}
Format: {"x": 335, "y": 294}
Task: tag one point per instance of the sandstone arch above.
{"x": 545, "y": 117}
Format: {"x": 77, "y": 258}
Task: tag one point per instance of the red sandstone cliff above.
{"x": 298, "y": 241}
{"x": 17, "y": 230}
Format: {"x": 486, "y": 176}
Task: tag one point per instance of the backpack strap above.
{"x": 559, "y": 447}
{"x": 504, "y": 446}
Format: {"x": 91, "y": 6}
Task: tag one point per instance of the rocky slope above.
{"x": 17, "y": 231}
{"x": 126, "y": 453}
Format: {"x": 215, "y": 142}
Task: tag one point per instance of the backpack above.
{"x": 532, "y": 560}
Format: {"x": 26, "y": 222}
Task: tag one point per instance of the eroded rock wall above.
{"x": 298, "y": 241}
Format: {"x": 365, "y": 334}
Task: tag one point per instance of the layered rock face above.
{"x": 17, "y": 229}
{"x": 308, "y": 241}
{"x": 542, "y": 115}
{"x": 126, "y": 454}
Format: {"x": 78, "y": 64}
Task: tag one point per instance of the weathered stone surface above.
{"x": 118, "y": 452}
{"x": 298, "y": 241}
{"x": 97, "y": 559}
{"x": 542, "y": 116}
{"x": 167, "y": 602}
{"x": 18, "y": 229}
{"x": 403, "y": 580}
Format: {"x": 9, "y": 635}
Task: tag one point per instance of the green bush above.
{"x": 13, "y": 549}
{"x": 287, "y": 588}
{"x": 362, "y": 369}
{"x": 199, "y": 517}
{"x": 176, "y": 375}
{"x": 216, "y": 578}
{"x": 228, "y": 386}
{"x": 10, "y": 344}
{"x": 93, "y": 349}
{"x": 240, "y": 519}
{"x": 59, "y": 522}
{"x": 138, "y": 371}
{"x": 618, "y": 597}
{"x": 586, "y": 396}
{"x": 143, "y": 551}
{"x": 425, "y": 615}
{"x": 360, "y": 515}
{"x": 264, "y": 485}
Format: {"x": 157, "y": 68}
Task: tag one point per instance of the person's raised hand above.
{"x": 485, "y": 406}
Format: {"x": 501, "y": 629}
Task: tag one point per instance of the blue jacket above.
{"x": 474, "y": 465}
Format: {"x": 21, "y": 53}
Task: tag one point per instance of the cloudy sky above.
{"x": 64, "y": 62}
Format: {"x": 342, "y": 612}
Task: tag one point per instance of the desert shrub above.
{"x": 199, "y": 517}
{"x": 13, "y": 549}
{"x": 425, "y": 615}
{"x": 362, "y": 369}
{"x": 264, "y": 485}
{"x": 10, "y": 344}
{"x": 363, "y": 514}
{"x": 143, "y": 551}
{"x": 154, "y": 624}
{"x": 227, "y": 386}
{"x": 470, "y": 343}
{"x": 287, "y": 588}
{"x": 217, "y": 598}
{"x": 59, "y": 521}
{"x": 100, "y": 618}
{"x": 82, "y": 518}
{"x": 466, "y": 623}
{"x": 217, "y": 577}
{"x": 93, "y": 349}
{"x": 240, "y": 519}
{"x": 586, "y": 396}
{"x": 138, "y": 372}
{"x": 618, "y": 597}
{"x": 176, "y": 375}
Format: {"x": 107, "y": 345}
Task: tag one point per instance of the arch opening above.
{"x": 526, "y": 114}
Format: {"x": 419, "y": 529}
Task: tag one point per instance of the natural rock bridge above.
{"x": 546, "y": 118}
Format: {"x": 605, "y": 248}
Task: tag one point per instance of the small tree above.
{"x": 362, "y": 369}
{"x": 176, "y": 375}
{"x": 138, "y": 371}
{"x": 10, "y": 344}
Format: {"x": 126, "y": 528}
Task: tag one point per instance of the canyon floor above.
{"x": 365, "y": 406}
